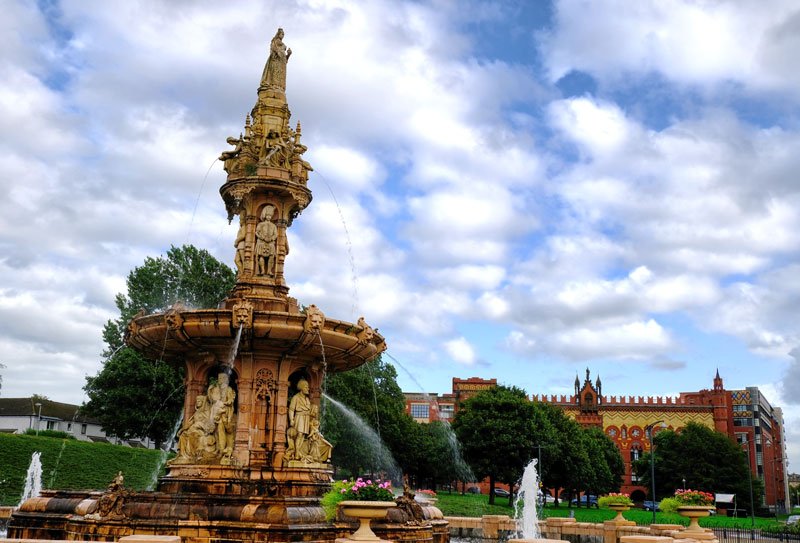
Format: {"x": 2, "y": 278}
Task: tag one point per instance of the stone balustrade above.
{"x": 492, "y": 528}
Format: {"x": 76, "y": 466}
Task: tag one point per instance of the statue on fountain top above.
{"x": 274, "y": 75}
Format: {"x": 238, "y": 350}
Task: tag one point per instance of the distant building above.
{"x": 428, "y": 407}
{"x": 17, "y": 415}
{"x": 758, "y": 427}
{"x": 744, "y": 415}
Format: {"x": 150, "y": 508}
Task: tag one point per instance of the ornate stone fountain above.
{"x": 251, "y": 463}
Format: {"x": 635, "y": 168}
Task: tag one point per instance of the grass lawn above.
{"x": 476, "y": 505}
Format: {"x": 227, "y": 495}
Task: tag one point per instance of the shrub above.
{"x": 669, "y": 505}
{"x": 332, "y": 498}
{"x": 49, "y": 433}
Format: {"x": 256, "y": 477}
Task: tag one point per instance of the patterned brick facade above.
{"x": 744, "y": 415}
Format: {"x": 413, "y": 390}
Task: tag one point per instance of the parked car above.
{"x": 648, "y": 505}
{"x": 545, "y": 497}
{"x": 585, "y": 501}
{"x": 501, "y": 492}
{"x": 474, "y": 490}
{"x": 793, "y": 520}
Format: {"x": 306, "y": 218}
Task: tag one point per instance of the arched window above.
{"x": 636, "y": 454}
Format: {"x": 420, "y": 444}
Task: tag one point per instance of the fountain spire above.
{"x": 267, "y": 187}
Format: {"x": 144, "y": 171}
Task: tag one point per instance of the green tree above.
{"x": 436, "y": 457}
{"x": 606, "y": 465}
{"x": 132, "y": 396}
{"x": 566, "y": 463}
{"x": 495, "y": 428}
{"x": 371, "y": 392}
{"x": 707, "y": 459}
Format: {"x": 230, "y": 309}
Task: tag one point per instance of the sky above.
{"x": 513, "y": 190}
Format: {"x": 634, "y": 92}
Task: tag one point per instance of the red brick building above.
{"x": 744, "y": 415}
{"x": 428, "y": 407}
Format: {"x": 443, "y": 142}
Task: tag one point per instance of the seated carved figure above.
{"x": 192, "y": 439}
{"x": 208, "y": 435}
{"x": 319, "y": 449}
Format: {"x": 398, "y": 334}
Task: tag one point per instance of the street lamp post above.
{"x": 38, "y": 417}
{"x": 649, "y": 429}
{"x": 750, "y": 480}
{"x": 774, "y": 478}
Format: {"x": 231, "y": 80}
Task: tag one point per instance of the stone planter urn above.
{"x": 694, "y": 512}
{"x": 619, "y": 508}
{"x": 365, "y": 512}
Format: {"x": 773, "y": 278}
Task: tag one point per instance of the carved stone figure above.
{"x": 319, "y": 449}
{"x": 299, "y": 421}
{"x": 117, "y": 484}
{"x": 111, "y": 503}
{"x": 240, "y": 244}
{"x": 315, "y": 319}
{"x": 243, "y": 313}
{"x": 367, "y": 334}
{"x": 193, "y": 438}
{"x": 221, "y": 397}
{"x": 229, "y": 158}
{"x": 274, "y": 75}
{"x": 266, "y": 243}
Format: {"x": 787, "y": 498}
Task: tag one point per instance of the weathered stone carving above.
{"x": 222, "y": 396}
{"x": 174, "y": 319}
{"x": 196, "y": 441}
{"x": 268, "y": 141}
{"x": 207, "y": 437}
{"x": 305, "y": 441}
{"x": 266, "y": 242}
{"x": 319, "y": 449}
{"x": 299, "y": 421}
{"x": 110, "y": 504}
{"x": 367, "y": 334}
{"x": 274, "y": 75}
{"x": 243, "y": 313}
{"x": 265, "y": 384}
{"x": 315, "y": 319}
{"x": 239, "y": 244}
{"x": 229, "y": 157}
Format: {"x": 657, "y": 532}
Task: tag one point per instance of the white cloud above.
{"x": 461, "y": 351}
{"x": 466, "y": 190}
{"x": 689, "y": 42}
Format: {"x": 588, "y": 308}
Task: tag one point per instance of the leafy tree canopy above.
{"x": 606, "y": 467}
{"x": 187, "y": 275}
{"x": 565, "y": 460}
{"x": 134, "y": 397}
{"x": 707, "y": 459}
{"x": 371, "y": 392}
{"x": 496, "y": 431}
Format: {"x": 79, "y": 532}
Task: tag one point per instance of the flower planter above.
{"x": 694, "y": 512}
{"x": 365, "y": 512}
{"x": 619, "y": 508}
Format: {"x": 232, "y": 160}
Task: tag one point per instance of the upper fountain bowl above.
{"x": 182, "y": 333}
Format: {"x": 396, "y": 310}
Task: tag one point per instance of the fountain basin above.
{"x": 172, "y": 335}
